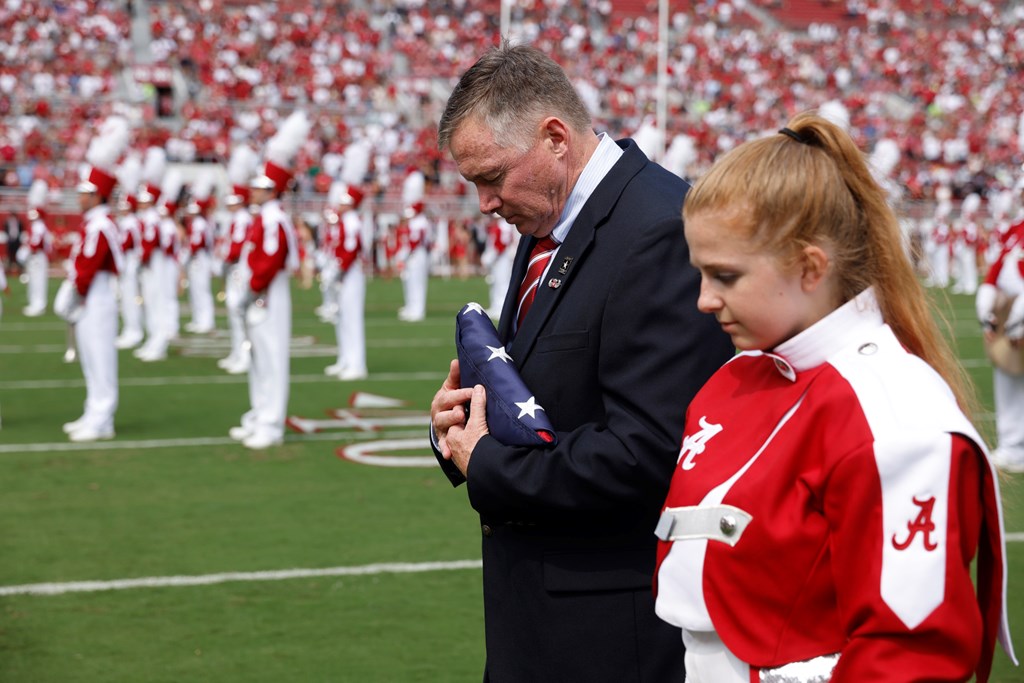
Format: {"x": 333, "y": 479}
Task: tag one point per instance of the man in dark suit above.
{"x": 613, "y": 349}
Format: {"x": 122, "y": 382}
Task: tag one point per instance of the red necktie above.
{"x": 539, "y": 257}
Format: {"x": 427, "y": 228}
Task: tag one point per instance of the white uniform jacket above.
{"x": 838, "y": 497}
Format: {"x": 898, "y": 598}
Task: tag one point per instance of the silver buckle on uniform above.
{"x": 722, "y": 523}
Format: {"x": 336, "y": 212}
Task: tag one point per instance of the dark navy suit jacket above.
{"x": 613, "y": 348}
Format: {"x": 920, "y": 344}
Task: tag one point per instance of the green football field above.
{"x": 174, "y": 554}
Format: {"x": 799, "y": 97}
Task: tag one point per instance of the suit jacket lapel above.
{"x": 594, "y": 213}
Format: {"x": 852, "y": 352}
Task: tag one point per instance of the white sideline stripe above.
{"x": 228, "y": 577}
{"x": 144, "y": 444}
{"x": 217, "y": 379}
{"x": 1014, "y": 537}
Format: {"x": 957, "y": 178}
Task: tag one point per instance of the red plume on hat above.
{"x": 281, "y": 151}
{"x": 104, "y": 150}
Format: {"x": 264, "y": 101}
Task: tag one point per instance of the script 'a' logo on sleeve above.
{"x": 694, "y": 444}
{"x": 922, "y": 524}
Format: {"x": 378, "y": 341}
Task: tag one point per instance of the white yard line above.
{"x": 196, "y": 442}
{"x": 216, "y": 379}
{"x": 229, "y": 577}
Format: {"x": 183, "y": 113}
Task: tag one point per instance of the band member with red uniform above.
{"x": 830, "y": 493}
{"x": 149, "y": 267}
{"x": 88, "y": 297}
{"x": 130, "y": 230}
{"x": 35, "y": 250}
{"x": 236, "y": 269}
{"x": 345, "y": 246}
{"x": 497, "y": 258}
{"x": 1000, "y": 308}
{"x": 200, "y": 266}
{"x": 273, "y": 255}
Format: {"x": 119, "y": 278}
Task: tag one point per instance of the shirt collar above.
{"x": 828, "y": 336}
{"x": 601, "y": 161}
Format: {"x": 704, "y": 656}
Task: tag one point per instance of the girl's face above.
{"x": 759, "y": 299}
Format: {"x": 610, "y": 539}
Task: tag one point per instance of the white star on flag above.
{"x": 474, "y": 306}
{"x": 498, "y": 352}
{"x": 529, "y": 407}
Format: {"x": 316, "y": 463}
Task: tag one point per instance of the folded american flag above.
{"x": 513, "y": 416}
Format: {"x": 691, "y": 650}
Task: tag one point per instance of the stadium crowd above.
{"x": 946, "y": 87}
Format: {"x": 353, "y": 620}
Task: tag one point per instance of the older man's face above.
{"x": 527, "y": 189}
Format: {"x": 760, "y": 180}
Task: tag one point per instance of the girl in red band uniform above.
{"x": 830, "y": 493}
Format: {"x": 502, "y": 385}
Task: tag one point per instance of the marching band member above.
{"x": 88, "y": 297}
{"x": 166, "y": 272}
{"x": 241, "y": 165}
{"x": 35, "y": 250}
{"x": 345, "y": 244}
{"x": 1000, "y": 308}
{"x": 830, "y": 493}
{"x": 273, "y": 256}
{"x": 130, "y": 230}
{"x": 200, "y": 267}
{"x": 497, "y": 258}
{"x": 150, "y": 263}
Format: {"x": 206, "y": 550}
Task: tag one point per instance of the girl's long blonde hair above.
{"x": 811, "y": 185}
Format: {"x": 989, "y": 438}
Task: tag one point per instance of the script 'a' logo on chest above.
{"x": 694, "y": 444}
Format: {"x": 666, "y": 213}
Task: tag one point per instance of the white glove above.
{"x": 1014, "y": 327}
{"x": 68, "y": 303}
{"x": 985, "y": 305}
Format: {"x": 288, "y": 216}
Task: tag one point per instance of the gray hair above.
{"x": 511, "y": 88}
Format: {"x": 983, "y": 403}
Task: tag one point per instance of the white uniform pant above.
{"x": 149, "y": 284}
{"x": 200, "y": 293}
{"x": 350, "y": 293}
{"x": 966, "y": 271}
{"x": 95, "y": 334}
{"x": 269, "y": 369}
{"x": 414, "y": 284}
{"x": 939, "y": 263}
{"x": 131, "y": 312}
{"x": 170, "y": 311}
{"x": 37, "y": 269}
{"x": 236, "y": 282}
{"x": 1009, "y": 402}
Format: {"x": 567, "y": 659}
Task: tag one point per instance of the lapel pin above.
{"x": 554, "y": 283}
{"x": 564, "y": 268}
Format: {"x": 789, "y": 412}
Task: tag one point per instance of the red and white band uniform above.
{"x": 497, "y": 259}
{"x": 1006, "y": 276}
{"x": 170, "y": 247}
{"x": 200, "y": 272}
{"x": 413, "y": 241}
{"x": 236, "y": 284}
{"x": 36, "y": 248}
{"x": 828, "y": 500}
{"x": 130, "y": 233}
{"x": 95, "y": 264}
{"x": 939, "y": 253}
{"x": 272, "y": 255}
{"x": 966, "y": 245}
{"x": 346, "y": 246}
{"x": 149, "y": 279}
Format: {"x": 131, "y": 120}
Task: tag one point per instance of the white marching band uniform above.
{"x": 414, "y": 241}
{"x": 149, "y": 277}
{"x": 236, "y": 284}
{"x": 272, "y": 256}
{"x": 35, "y": 257}
{"x": 89, "y": 300}
{"x": 344, "y": 246}
{"x": 1004, "y": 287}
{"x": 200, "y": 273}
{"x": 130, "y": 229}
{"x": 497, "y": 258}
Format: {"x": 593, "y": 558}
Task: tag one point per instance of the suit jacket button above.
{"x": 486, "y": 529}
